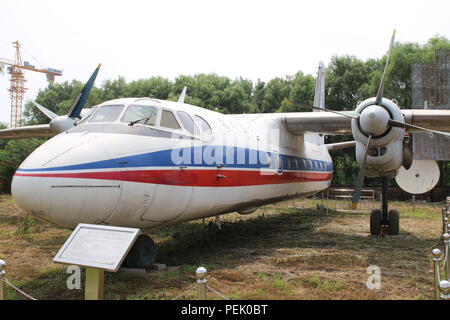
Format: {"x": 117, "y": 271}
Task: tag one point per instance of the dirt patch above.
{"x": 284, "y": 251}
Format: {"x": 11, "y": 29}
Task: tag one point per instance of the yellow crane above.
{"x": 17, "y": 90}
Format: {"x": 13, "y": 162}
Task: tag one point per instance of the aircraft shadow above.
{"x": 251, "y": 239}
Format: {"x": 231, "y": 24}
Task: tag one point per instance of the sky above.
{"x": 234, "y": 38}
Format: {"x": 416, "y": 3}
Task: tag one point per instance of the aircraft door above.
{"x": 278, "y": 162}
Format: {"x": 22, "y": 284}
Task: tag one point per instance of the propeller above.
{"x": 65, "y": 122}
{"x": 399, "y": 124}
{"x": 374, "y": 120}
{"x": 82, "y": 99}
{"x": 381, "y": 87}
{"x": 379, "y": 99}
{"x": 361, "y": 175}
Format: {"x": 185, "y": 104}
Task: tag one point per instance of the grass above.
{"x": 317, "y": 283}
{"x": 284, "y": 251}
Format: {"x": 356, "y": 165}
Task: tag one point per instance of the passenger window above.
{"x": 188, "y": 123}
{"x": 107, "y": 114}
{"x": 168, "y": 120}
{"x": 145, "y": 113}
{"x": 203, "y": 124}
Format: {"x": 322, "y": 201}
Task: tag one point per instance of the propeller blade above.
{"x": 381, "y": 88}
{"x": 84, "y": 96}
{"x": 360, "y": 178}
{"x": 398, "y": 124}
{"x": 48, "y": 113}
{"x": 348, "y": 114}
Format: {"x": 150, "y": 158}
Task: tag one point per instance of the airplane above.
{"x": 144, "y": 162}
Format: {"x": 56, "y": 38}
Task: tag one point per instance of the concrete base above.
{"x": 157, "y": 267}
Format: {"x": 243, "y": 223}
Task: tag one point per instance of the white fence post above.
{"x": 2, "y": 284}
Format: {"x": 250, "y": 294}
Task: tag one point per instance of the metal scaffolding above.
{"x": 431, "y": 90}
{"x": 17, "y": 90}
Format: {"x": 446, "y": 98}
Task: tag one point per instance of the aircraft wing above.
{"x": 35, "y": 131}
{"x": 319, "y": 122}
{"x": 332, "y": 123}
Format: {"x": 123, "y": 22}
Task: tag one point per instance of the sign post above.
{"x": 98, "y": 249}
{"x": 95, "y": 283}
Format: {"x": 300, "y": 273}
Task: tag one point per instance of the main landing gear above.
{"x": 384, "y": 221}
{"x": 142, "y": 255}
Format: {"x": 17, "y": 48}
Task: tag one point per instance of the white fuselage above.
{"x": 143, "y": 176}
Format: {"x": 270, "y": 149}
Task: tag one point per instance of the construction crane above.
{"x": 17, "y": 90}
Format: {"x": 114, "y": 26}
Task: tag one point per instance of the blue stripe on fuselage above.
{"x": 233, "y": 157}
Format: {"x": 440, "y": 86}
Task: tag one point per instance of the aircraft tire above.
{"x": 375, "y": 222}
{"x": 394, "y": 222}
{"x": 142, "y": 255}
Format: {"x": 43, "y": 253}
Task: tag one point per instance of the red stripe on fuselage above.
{"x": 196, "y": 178}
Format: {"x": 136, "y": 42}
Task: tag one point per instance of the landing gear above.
{"x": 142, "y": 255}
{"x": 384, "y": 221}
{"x": 375, "y": 222}
{"x": 394, "y": 222}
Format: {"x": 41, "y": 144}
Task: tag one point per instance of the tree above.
{"x": 301, "y": 90}
{"x": 276, "y": 91}
{"x": 257, "y": 98}
{"x": 156, "y": 87}
{"x": 347, "y": 81}
{"x": 398, "y": 83}
{"x": 11, "y": 156}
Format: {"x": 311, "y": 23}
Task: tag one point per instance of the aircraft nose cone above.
{"x": 53, "y": 183}
{"x": 374, "y": 120}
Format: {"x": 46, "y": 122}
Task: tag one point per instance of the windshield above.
{"x": 107, "y": 114}
{"x": 135, "y": 113}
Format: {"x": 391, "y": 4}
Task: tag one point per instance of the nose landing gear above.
{"x": 384, "y": 221}
{"x": 142, "y": 255}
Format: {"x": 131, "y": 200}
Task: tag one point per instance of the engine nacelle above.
{"x": 385, "y": 154}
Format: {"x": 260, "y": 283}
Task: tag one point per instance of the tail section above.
{"x": 319, "y": 101}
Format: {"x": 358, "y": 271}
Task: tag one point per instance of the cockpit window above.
{"x": 107, "y": 113}
{"x": 168, "y": 120}
{"x": 203, "y": 124}
{"x": 145, "y": 113}
{"x": 187, "y": 122}
{"x": 87, "y": 116}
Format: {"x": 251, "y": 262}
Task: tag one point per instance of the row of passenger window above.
{"x": 294, "y": 163}
{"x": 148, "y": 115}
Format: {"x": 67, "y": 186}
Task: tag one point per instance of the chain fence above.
{"x": 442, "y": 262}
{"x": 201, "y": 286}
{"x": 26, "y": 295}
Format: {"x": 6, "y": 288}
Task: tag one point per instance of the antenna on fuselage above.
{"x": 182, "y": 95}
